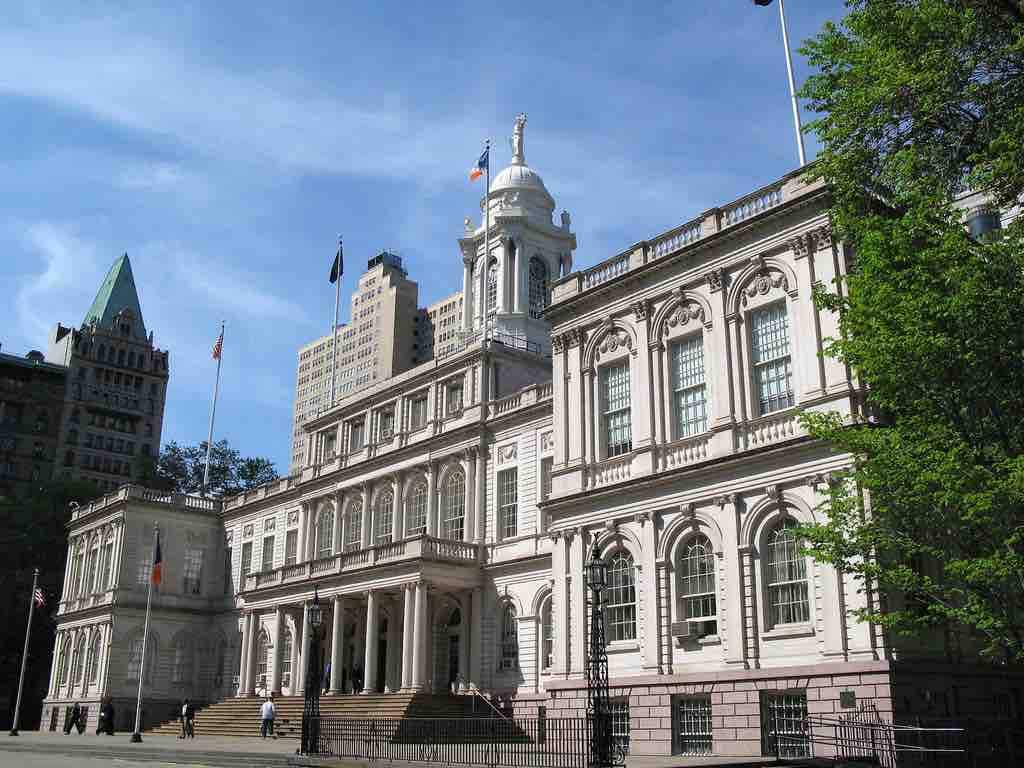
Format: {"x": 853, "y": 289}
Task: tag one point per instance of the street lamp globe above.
{"x": 597, "y": 571}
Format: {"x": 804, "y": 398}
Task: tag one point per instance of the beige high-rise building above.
{"x": 377, "y": 343}
{"x": 437, "y": 331}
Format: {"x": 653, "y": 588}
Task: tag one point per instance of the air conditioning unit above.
{"x": 691, "y": 629}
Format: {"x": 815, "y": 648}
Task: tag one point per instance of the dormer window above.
{"x": 356, "y": 435}
{"x": 387, "y": 424}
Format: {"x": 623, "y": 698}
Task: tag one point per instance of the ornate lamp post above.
{"x": 598, "y": 705}
{"x": 311, "y": 708}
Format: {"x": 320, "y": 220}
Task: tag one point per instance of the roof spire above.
{"x": 117, "y": 293}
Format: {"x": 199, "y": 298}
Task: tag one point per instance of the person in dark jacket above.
{"x": 105, "y": 723}
{"x": 75, "y": 720}
{"x": 190, "y": 719}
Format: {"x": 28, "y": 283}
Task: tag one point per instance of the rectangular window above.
{"x": 387, "y": 424}
{"x": 193, "y": 571}
{"x": 615, "y": 404}
{"x": 784, "y": 723}
{"x": 227, "y": 571}
{"x": 453, "y": 398}
{"x": 291, "y": 547}
{"x": 418, "y": 412}
{"x": 545, "y": 477}
{"x": 145, "y": 566}
{"x": 356, "y": 435}
{"x": 108, "y": 565}
{"x": 770, "y": 354}
{"x": 689, "y": 390}
{"x": 268, "y": 554}
{"x": 329, "y": 444}
{"x": 246, "y": 563}
{"x": 692, "y": 722}
{"x": 620, "y": 724}
{"x": 508, "y": 501}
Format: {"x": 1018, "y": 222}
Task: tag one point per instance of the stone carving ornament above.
{"x": 507, "y": 452}
{"x": 613, "y": 340}
{"x": 269, "y": 523}
{"x": 681, "y": 315}
{"x": 547, "y": 441}
{"x": 247, "y": 531}
{"x": 293, "y": 517}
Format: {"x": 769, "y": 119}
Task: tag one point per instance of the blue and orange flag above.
{"x": 157, "y": 563}
{"x": 481, "y": 165}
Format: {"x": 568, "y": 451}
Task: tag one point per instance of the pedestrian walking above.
{"x": 105, "y": 723}
{"x": 75, "y": 720}
{"x": 181, "y": 717}
{"x": 267, "y": 712}
{"x": 190, "y": 719}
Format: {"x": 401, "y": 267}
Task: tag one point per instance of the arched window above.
{"x": 108, "y": 564}
{"x": 324, "y": 532}
{"x": 78, "y": 663}
{"x": 416, "y": 521}
{"x": 697, "y": 581}
{"x": 354, "y": 525}
{"x": 94, "y": 658}
{"x": 135, "y": 658}
{"x": 91, "y": 585}
{"x": 620, "y": 611}
{"x": 384, "y": 518}
{"x": 492, "y": 286}
{"x": 539, "y": 296}
{"x": 509, "y": 638}
{"x": 262, "y": 659}
{"x": 286, "y": 658}
{"x": 787, "y": 576}
{"x": 453, "y": 507}
{"x": 547, "y": 635}
{"x": 65, "y": 661}
{"x": 183, "y": 657}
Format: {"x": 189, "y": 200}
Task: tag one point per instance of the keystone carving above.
{"x": 716, "y": 279}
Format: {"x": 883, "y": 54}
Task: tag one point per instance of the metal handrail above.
{"x": 476, "y": 693}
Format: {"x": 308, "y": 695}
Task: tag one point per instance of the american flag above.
{"x": 217, "y": 346}
{"x": 39, "y": 597}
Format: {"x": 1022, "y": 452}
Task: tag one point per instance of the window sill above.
{"x": 622, "y": 646}
{"x": 709, "y": 640}
{"x": 803, "y": 629}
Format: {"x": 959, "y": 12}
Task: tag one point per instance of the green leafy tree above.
{"x": 181, "y": 469}
{"x": 32, "y": 535}
{"x": 920, "y": 101}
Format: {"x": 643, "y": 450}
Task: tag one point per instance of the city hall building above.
{"x": 646, "y": 408}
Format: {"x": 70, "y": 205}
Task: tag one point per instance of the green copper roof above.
{"x": 117, "y": 293}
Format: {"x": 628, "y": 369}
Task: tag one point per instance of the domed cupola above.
{"x": 520, "y": 178}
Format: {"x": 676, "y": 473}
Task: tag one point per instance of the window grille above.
{"x": 693, "y": 725}
{"x": 539, "y": 296}
{"x": 773, "y": 370}
{"x": 787, "y": 576}
{"x": 193, "y": 571}
{"x": 697, "y": 580}
{"x": 291, "y": 547}
{"x": 262, "y": 660}
{"x": 454, "y": 506}
{"x": 615, "y": 402}
{"x": 689, "y": 389}
{"x": 492, "y": 286}
{"x": 78, "y": 665}
{"x": 355, "y": 440}
{"x": 325, "y": 533}
{"x": 784, "y": 724}
{"x": 620, "y": 724}
{"x": 620, "y": 610}
{"x": 94, "y": 658}
{"x": 354, "y": 526}
{"x": 246, "y": 562}
{"x": 384, "y": 518}
{"x": 545, "y": 477}
{"x": 286, "y": 659}
{"x": 417, "y": 520}
{"x": 508, "y": 492}
{"x": 509, "y": 639}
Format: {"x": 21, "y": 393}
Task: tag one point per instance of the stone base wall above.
{"x": 736, "y": 700}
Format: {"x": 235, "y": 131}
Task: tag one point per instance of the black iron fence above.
{"x": 521, "y": 743}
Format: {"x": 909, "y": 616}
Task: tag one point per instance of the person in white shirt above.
{"x": 267, "y": 718}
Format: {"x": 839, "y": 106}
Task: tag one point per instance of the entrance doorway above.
{"x": 382, "y": 656}
{"x": 453, "y": 660}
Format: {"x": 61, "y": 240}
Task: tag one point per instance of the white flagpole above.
{"x": 334, "y": 328}
{"x": 792, "y": 86}
{"x": 484, "y": 326}
{"x": 137, "y": 734}
{"x": 213, "y": 411}
{"x": 24, "y": 653}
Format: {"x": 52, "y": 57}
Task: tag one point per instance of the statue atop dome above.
{"x": 518, "y": 157}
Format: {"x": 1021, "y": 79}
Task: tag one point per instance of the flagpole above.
{"x": 334, "y": 328}
{"x": 137, "y": 734}
{"x": 24, "y": 653}
{"x": 487, "y": 244}
{"x": 792, "y": 86}
{"x": 213, "y": 412}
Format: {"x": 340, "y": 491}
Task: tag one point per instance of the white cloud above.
{"x": 69, "y": 273}
{"x": 150, "y": 176}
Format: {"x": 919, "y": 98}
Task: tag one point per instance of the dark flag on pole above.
{"x": 338, "y": 267}
{"x": 158, "y": 563}
{"x": 762, "y": 2}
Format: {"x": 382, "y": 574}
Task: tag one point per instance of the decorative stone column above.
{"x": 559, "y": 603}
{"x": 463, "y": 643}
{"x": 476, "y": 621}
{"x": 250, "y": 655}
{"x": 304, "y": 653}
{"x": 392, "y": 678}
{"x": 432, "y": 499}
{"x": 367, "y": 522}
{"x": 337, "y": 643}
{"x": 275, "y": 675}
{"x": 749, "y": 593}
{"x": 578, "y": 593}
{"x": 246, "y": 623}
{"x": 467, "y": 294}
{"x": 408, "y": 623}
{"x": 469, "y": 527}
{"x": 397, "y": 509}
{"x": 589, "y": 417}
{"x": 336, "y": 532}
{"x": 481, "y": 494}
{"x": 420, "y": 628}
{"x": 649, "y": 592}
{"x": 370, "y": 659}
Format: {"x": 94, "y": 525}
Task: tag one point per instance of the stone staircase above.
{"x": 241, "y": 716}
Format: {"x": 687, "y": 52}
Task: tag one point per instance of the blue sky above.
{"x": 225, "y": 145}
